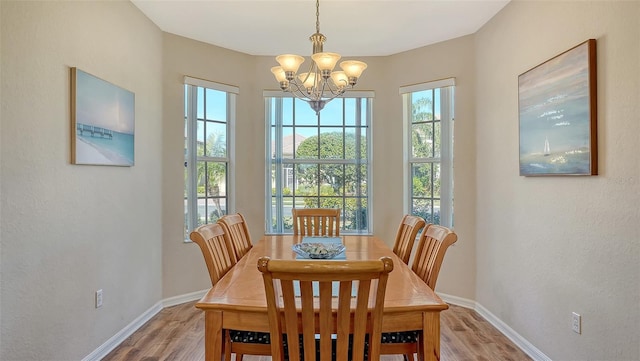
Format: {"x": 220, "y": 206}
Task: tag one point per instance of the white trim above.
{"x": 104, "y": 349}
{"x": 428, "y": 85}
{"x": 211, "y": 85}
{"x": 347, "y": 94}
{"x": 512, "y": 335}
{"x": 180, "y": 299}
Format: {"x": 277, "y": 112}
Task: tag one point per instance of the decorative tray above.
{"x": 318, "y": 250}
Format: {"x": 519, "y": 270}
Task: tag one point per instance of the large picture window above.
{"x": 428, "y": 119}
{"x": 319, "y": 161}
{"x": 209, "y": 112}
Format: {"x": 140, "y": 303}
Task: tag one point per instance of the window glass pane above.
{"x": 352, "y": 151}
{"x": 354, "y": 213}
{"x": 332, "y": 113}
{"x": 437, "y": 135}
{"x": 200, "y": 101}
{"x": 421, "y": 175}
{"x": 331, "y": 179}
{"x": 287, "y": 111}
{"x": 436, "y": 104}
{"x": 307, "y": 148}
{"x": 422, "y": 140}
{"x": 304, "y": 115}
{"x": 350, "y": 111}
{"x": 216, "y": 105}
{"x": 306, "y": 176}
{"x": 422, "y": 106}
{"x": 200, "y": 137}
{"x": 332, "y": 143}
{"x": 216, "y": 142}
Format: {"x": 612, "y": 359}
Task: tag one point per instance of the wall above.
{"x": 184, "y": 270}
{"x": 68, "y": 230}
{"x": 549, "y": 246}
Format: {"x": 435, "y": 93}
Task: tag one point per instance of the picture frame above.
{"x": 102, "y": 122}
{"x": 557, "y": 105}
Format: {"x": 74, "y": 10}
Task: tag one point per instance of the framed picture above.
{"x": 102, "y": 121}
{"x": 557, "y": 111}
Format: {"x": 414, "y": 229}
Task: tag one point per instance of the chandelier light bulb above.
{"x": 290, "y": 62}
{"x": 340, "y": 79}
{"x": 278, "y": 72}
{"x": 326, "y": 61}
{"x": 353, "y": 68}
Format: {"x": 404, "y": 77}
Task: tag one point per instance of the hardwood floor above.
{"x": 177, "y": 333}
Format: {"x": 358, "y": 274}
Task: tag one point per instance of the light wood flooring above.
{"x": 177, "y": 333}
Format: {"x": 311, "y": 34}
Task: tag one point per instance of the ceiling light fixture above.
{"x": 320, "y": 84}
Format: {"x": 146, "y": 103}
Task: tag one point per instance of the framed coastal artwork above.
{"x": 557, "y": 114}
{"x": 102, "y": 121}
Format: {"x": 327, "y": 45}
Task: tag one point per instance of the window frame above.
{"x": 447, "y": 117}
{"x": 191, "y": 159}
{"x": 365, "y": 116}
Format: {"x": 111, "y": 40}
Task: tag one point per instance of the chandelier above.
{"x": 320, "y": 84}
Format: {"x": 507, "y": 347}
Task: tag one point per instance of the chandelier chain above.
{"x": 317, "y": 16}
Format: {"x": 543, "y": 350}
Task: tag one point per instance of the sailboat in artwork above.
{"x": 547, "y": 150}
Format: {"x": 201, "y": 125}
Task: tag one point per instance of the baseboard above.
{"x": 180, "y": 299}
{"x": 104, "y": 349}
{"x": 512, "y": 335}
{"x": 119, "y": 337}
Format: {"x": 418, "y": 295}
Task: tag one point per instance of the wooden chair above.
{"x": 345, "y": 319}
{"x": 406, "y": 236}
{"x": 218, "y": 255}
{"x": 236, "y": 227}
{"x": 432, "y": 246}
{"x": 316, "y": 221}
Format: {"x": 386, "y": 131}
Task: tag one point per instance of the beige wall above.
{"x": 549, "y": 246}
{"x": 68, "y": 230}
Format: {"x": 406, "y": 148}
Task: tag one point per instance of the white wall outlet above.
{"x": 576, "y": 322}
{"x": 98, "y": 298}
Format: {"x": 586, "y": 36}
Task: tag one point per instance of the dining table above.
{"x": 238, "y": 300}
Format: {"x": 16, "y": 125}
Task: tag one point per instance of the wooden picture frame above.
{"x": 557, "y": 104}
{"x": 102, "y": 121}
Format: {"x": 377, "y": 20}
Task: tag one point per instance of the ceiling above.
{"x": 352, "y": 27}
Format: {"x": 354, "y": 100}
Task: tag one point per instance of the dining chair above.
{"x": 434, "y": 242}
{"x": 333, "y": 299}
{"x": 217, "y": 251}
{"x": 406, "y": 236}
{"x": 316, "y": 221}
{"x": 235, "y": 226}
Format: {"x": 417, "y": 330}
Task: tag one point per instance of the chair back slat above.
{"x": 236, "y": 228}
{"x": 214, "y": 244}
{"x": 434, "y": 242}
{"x": 345, "y": 316}
{"x": 316, "y": 221}
{"x": 406, "y": 236}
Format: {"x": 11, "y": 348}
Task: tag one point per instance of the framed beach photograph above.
{"x": 557, "y": 114}
{"x": 102, "y": 121}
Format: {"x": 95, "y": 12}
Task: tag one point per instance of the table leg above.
{"x": 431, "y": 335}
{"x": 213, "y": 336}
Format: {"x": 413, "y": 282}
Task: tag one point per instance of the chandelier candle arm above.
{"x": 320, "y": 84}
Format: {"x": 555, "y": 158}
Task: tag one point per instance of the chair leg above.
{"x": 227, "y": 345}
{"x": 239, "y": 357}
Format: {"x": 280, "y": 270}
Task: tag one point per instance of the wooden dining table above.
{"x": 238, "y": 300}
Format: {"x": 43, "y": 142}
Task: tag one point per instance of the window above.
{"x": 428, "y": 118}
{"x": 319, "y": 161}
{"x": 209, "y": 112}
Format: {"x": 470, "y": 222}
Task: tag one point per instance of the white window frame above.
{"x": 191, "y": 157}
{"x": 447, "y": 101}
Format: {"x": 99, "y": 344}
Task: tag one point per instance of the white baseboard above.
{"x": 119, "y": 337}
{"x": 180, "y": 299}
{"x": 512, "y": 335}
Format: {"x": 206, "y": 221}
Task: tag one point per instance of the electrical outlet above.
{"x": 576, "y": 322}
{"x": 98, "y": 298}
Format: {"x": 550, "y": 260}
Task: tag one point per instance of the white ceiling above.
{"x": 352, "y": 27}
